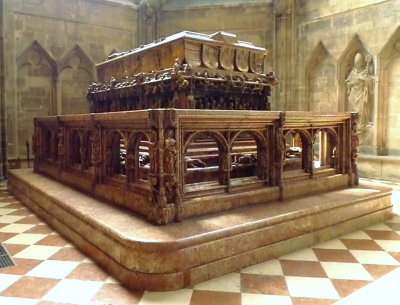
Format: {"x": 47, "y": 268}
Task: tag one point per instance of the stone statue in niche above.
{"x": 360, "y": 90}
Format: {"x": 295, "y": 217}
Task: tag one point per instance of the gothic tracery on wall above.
{"x": 389, "y": 96}
{"x": 321, "y": 86}
{"x": 76, "y": 73}
{"x": 46, "y": 87}
{"x": 35, "y": 94}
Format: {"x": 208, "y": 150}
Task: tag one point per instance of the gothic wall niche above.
{"x": 36, "y": 72}
{"x": 76, "y": 73}
{"x": 356, "y": 78}
{"x": 321, "y": 85}
{"x": 389, "y": 97}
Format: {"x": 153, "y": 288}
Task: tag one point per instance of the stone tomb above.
{"x": 180, "y": 137}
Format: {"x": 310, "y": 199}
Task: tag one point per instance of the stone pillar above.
{"x": 284, "y": 55}
{"x": 149, "y": 14}
{"x": 3, "y": 140}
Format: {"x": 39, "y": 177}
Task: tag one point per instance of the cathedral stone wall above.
{"x": 250, "y": 21}
{"x": 329, "y": 37}
{"x": 51, "y": 47}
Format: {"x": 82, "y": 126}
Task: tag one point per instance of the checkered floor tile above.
{"x": 49, "y": 270}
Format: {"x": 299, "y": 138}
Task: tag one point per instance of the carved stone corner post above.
{"x": 165, "y": 196}
{"x": 279, "y": 153}
{"x": 37, "y": 144}
{"x": 61, "y": 148}
{"x": 225, "y": 168}
{"x": 354, "y": 142}
{"x": 96, "y": 156}
{"x": 262, "y": 162}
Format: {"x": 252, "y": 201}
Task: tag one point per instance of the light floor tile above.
{"x": 308, "y": 287}
{"x": 346, "y": 271}
{"x": 25, "y": 239}
{"x": 179, "y": 297}
{"x": 10, "y": 218}
{"x": 7, "y": 280}
{"x": 229, "y": 283}
{"x": 53, "y": 269}
{"x": 374, "y": 257}
{"x": 16, "y": 228}
{"x": 5, "y": 211}
{"x": 17, "y": 301}
{"x": 263, "y": 299}
{"x": 73, "y": 291}
{"x": 301, "y": 255}
{"x": 389, "y": 245}
{"x": 271, "y": 267}
{"x": 334, "y": 244}
{"x": 385, "y": 290}
{"x": 3, "y": 204}
{"x": 356, "y": 235}
{"x": 37, "y": 252}
{"x": 379, "y": 227}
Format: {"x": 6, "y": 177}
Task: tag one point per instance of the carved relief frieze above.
{"x": 242, "y": 60}
{"x": 227, "y": 58}
{"x": 193, "y": 54}
{"x": 257, "y": 62}
{"x": 209, "y": 56}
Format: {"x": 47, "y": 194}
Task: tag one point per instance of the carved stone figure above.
{"x": 176, "y": 67}
{"x": 359, "y": 85}
{"x": 170, "y": 156}
{"x": 170, "y": 152}
{"x": 354, "y": 146}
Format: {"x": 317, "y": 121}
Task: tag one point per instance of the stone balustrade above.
{"x": 172, "y": 164}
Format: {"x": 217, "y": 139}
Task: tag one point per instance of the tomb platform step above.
{"x": 144, "y": 256}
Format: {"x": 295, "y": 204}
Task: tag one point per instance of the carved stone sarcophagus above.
{"x": 179, "y": 129}
{"x": 188, "y": 71}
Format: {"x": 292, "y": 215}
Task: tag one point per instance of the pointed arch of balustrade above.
{"x": 137, "y": 160}
{"x": 223, "y": 157}
{"x": 242, "y": 150}
{"x": 86, "y": 151}
{"x": 115, "y": 153}
{"x": 75, "y": 147}
{"x": 306, "y": 147}
{"x": 325, "y": 140}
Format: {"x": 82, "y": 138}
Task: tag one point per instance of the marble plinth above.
{"x": 145, "y": 256}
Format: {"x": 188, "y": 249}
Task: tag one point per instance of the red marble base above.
{"x": 145, "y": 256}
